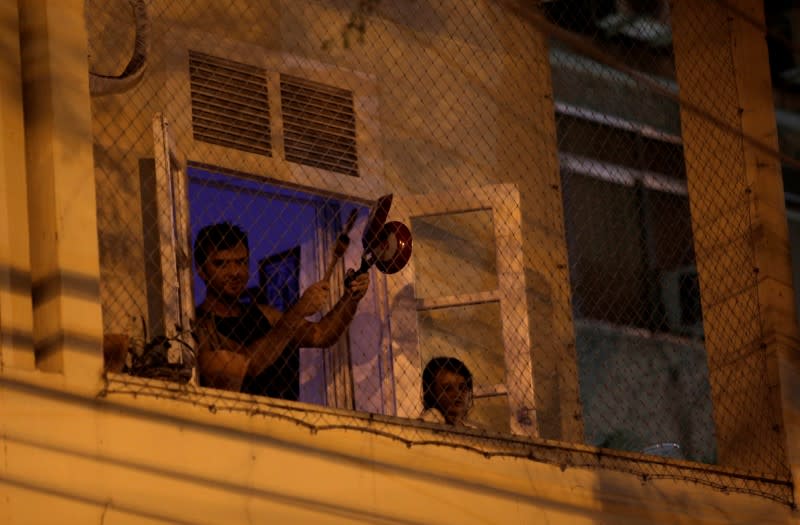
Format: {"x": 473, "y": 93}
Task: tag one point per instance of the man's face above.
{"x": 453, "y": 394}
{"x": 226, "y": 272}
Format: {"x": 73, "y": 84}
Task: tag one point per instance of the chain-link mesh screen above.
{"x": 433, "y": 210}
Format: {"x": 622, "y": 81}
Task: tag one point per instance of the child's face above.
{"x": 453, "y": 395}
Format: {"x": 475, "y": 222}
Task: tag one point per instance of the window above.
{"x": 292, "y": 220}
{"x": 290, "y": 232}
{"x": 174, "y": 299}
{"x": 628, "y": 224}
{"x": 632, "y": 264}
{"x": 408, "y": 318}
{"x": 252, "y": 119}
{"x": 630, "y": 245}
{"x": 464, "y": 296}
{"x": 170, "y": 308}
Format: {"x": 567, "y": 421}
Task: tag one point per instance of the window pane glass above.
{"x": 608, "y": 264}
{"x": 671, "y": 230}
{"x": 454, "y": 254}
{"x": 470, "y": 333}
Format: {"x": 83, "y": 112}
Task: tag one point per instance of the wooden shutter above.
{"x": 319, "y": 125}
{"x": 230, "y": 104}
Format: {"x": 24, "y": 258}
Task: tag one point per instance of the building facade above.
{"x": 452, "y": 109}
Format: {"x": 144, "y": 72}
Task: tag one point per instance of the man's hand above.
{"x": 314, "y": 298}
{"x": 358, "y": 286}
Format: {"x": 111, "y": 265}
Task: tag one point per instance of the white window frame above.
{"x": 173, "y": 236}
{"x": 503, "y": 200}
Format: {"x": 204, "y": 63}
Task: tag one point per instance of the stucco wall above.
{"x": 69, "y": 459}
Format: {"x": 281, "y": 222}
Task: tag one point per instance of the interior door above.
{"x": 463, "y": 296}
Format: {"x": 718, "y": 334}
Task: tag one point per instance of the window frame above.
{"x": 624, "y": 176}
{"x": 171, "y": 187}
{"x": 503, "y": 200}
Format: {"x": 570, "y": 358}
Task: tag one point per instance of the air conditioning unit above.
{"x": 680, "y": 295}
{"x": 643, "y": 20}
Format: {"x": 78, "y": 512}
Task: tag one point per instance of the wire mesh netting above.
{"x": 436, "y": 212}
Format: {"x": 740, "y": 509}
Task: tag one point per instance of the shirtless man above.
{"x": 253, "y": 348}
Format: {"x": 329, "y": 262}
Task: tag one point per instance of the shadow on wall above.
{"x": 170, "y": 465}
{"x": 37, "y": 73}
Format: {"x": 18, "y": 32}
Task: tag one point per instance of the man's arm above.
{"x": 285, "y": 327}
{"x": 293, "y": 328}
{"x": 223, "y": 368}
{"x": 331, "y": 327}
{"x": 227, "y": 368}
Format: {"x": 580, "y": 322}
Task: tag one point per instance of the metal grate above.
{"x": 583, "y": 242}
{"x": 230, "y": 105}
{"x": 319, "y": 125}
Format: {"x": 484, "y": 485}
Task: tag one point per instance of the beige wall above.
{"x": 16, "y": 314}
{"x": 59, "y": 190}
{"x": 740, "y": 233}
{"x": 69, "y": 456}
{"x": 71, "y": 459}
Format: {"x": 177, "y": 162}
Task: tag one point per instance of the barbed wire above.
{"x": 590, "y": 454}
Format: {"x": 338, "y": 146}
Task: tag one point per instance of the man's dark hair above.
{"x": 434, "y": 366}
{"x": 220, "y": 236}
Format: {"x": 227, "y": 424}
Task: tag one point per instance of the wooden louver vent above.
{"x": 230, "y": 106}
{"x": 319, "y": 125}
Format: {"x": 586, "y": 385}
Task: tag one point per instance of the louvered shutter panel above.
{"x": 319, "y": 125}
{"x": 230, "y": 106}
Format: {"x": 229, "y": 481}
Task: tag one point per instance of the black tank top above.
{"x": 282, "y": 378}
